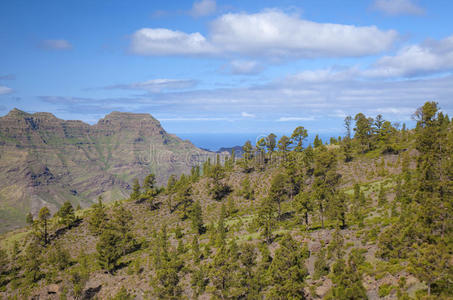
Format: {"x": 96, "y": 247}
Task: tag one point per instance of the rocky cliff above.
{"x": 46, "y": 161}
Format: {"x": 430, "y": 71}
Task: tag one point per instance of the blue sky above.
{"x": 244, "y": 67}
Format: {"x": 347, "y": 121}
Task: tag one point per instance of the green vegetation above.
{"x": 368, "y": 215}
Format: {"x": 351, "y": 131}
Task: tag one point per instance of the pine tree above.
{"x": 363, "y": 131}
{"x": 221, "y": 229}
{"x": 109, "y": 250}
{"x": 335, "y": 248}
{"x": 277, "y": 191}
{"x": 196, "y": 216}
{"x": 4, "y": 262}
{"x": 15, "y": 253}
{"x": 298, "y": 136}
{"x": 196, "y": 249}
{"x": 304, "y": 205}
{"x": 248, "y": 151}
{"x": 260, "y": 150}
{"x": 121, "y": 223}
{"x": 429, "y": 263}
{"x": 224, "y": 272}
{"x": 29, "y": 219}
{"x": 346, "y": 144}
{"x": 97, "y": 221}
{"x": 79, "y": 275}
{"x": 135, "y": 195}
{"x": 317, "y": 142}
{"x": 246, "y": 190}
{"x": 347, "y": 282}
{"x": 183, "y": 199}
{"x": 271, "y": 144}
{"x": 167, "y": 266}
{"x": 43, "y": 220}
{"x": 284, "y": 146}
{"x": 217, "y": 188}
{"x": 170, "y": 191}
{"x": 32, "y": 262}
{"x": 326, "y": 180}
{"x": 149, "y": 190}
{"x": 231, "y": 207}
{"x": 199, "y": 280}
{"x": 59, "y": 257}
{"x": 347, "y": 125}
{"x": 287, "y": 271}
{"x": 266, "y": 218}
{"x": 339, "y": 208}
{"x": 321, "y": 265}
{"x": 220, "y": 273}
{"x": 249, "y": 279}
{"x": 66, "y": 213}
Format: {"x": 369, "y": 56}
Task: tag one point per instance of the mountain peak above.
{"x": 128, "y": 115}
{"x": 129, "y": 120}
{"x": 15, "y": 112}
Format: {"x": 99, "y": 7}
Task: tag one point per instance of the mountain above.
{"x": 45, "y": 161}
{"x": 237, "y": 150}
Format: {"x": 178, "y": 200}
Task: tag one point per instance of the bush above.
{"x": 385, "y": 289}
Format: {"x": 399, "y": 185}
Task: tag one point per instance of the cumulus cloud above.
{"x": 428, "y": 58}
{"x": 161, "y": 41}
{"x": 5, "y": 90}
{"x": 398, "y": 7}
{"x": 203, "y": 8}
{"x": 271, "y": 33}
{"x": 247, "y": 115}
{"x": 245, "y": 67}
{"x": 274, "y": 33}
{"x": 156, "y": 85}
{"x": 55, "y": 45}
{"x": 415, "y": 60}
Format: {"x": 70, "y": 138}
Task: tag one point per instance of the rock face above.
{"x": 46, "y": 161}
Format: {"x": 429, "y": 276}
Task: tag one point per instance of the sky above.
{"x": 227, "y": 67}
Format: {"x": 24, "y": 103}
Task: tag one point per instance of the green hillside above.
{"x": 364, "y": 216}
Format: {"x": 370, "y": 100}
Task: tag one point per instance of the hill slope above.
{"x": 368, "y": 217}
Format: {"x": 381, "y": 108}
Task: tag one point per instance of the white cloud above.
{"x": 270, "y": 33}
{"x": 5, "y": 90}
{"x": 315, "y": 103}
{"x": 323, "y": 75}
{"x": 203, "y": 8}
{"x": 274, "y": 33}
{"x": 295, "y": 119}
{"x": 156, "y": 85}
{"x": 398, "y": 7}
{"x": 245, "y": 67}
{"x": 193, "y": 119}
{"x": 161, "y": 41}
{"x": 56, "y": 45}
{"x": 427, "y": 58}
{"x": 247, "y": 115}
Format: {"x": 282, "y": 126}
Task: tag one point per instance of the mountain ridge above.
{"x": 47, "y": 160}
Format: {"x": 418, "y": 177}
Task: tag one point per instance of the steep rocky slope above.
{"x": 46, "y": 161}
